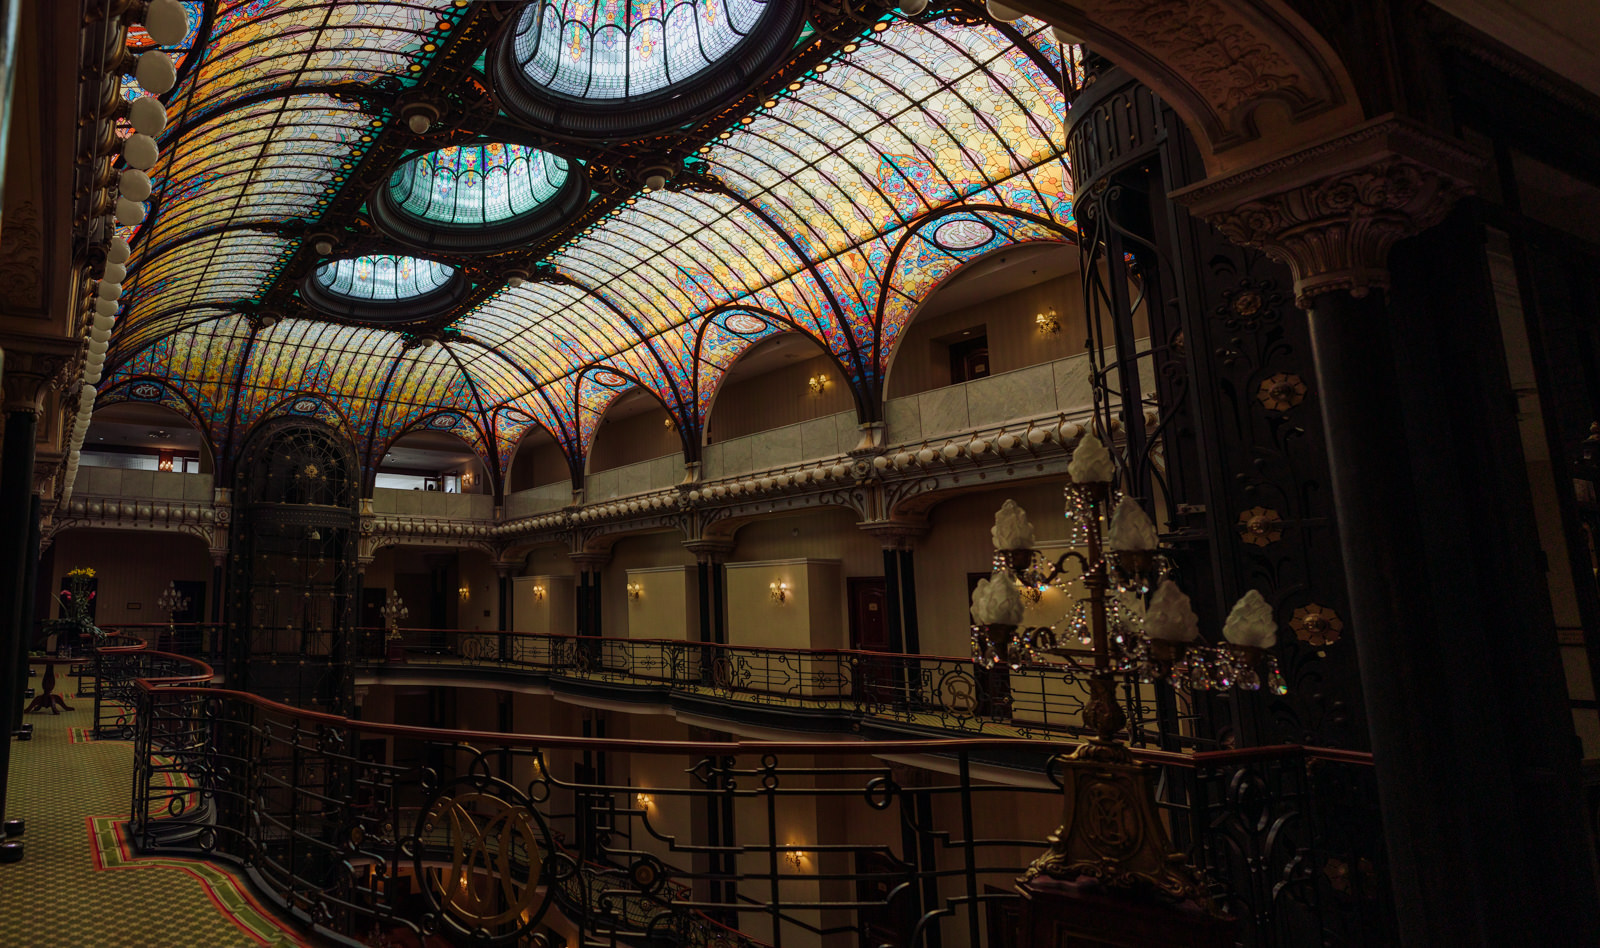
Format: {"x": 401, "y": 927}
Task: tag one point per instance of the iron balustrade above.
{"x": 378, "y": 833}
{"x": 119, "y": 665}
{"x": 816, "y": 689}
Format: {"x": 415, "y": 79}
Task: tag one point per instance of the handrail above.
{"x": 733, "y": 748}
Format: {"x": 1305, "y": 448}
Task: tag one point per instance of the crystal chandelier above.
{"x": 1126, "y": 612}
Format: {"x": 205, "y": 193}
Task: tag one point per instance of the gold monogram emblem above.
{"x": 493, "y": 877}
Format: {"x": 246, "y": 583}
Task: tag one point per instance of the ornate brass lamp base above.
{"x": 1110, "y": 829}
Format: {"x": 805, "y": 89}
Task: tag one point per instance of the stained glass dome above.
{"x": 386, "y": 277}
{"x": 636, "y": 65}
{"x": 613, "y": 50}
{"x": 477, "y": 184}
{"x": 384, "y": 288}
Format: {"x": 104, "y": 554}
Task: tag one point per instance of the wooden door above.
{"x": 887, "y": 925}
{"x": 869, "y": 632}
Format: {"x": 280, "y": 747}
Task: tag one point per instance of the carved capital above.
{"x": 28, "y": 376}
{"x": 1332, "y": 211}
{"x": 708, "y": 549}
{"x": 897, "y": 534}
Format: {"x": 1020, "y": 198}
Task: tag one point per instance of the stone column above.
{"x": 589, "y": 566}
{"x": 1476, "y": 766}
{"x": 711, "y": 557}
{"x": 27, "y": 377}
{"x": 899, "y": 537}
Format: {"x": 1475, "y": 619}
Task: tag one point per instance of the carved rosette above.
{"x": 1332, "y": 211}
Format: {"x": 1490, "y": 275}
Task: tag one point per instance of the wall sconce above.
{"x": 164, "y": 461}
{"x": 668, "y": 423}
{"x": 817, "y": 383}
{"x": 635, "y": 590}
{"x": 466, "y": 479}
{"x": 645, "y": 800}
{"x": 1049, "y": 323}
{"x": 795, "y": 857}
{"x": 464, "y": 592}
{"x": 538, "y": 594}
{"x": 779, "y": 591}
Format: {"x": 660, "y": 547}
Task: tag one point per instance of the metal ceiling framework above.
{"x": 818, "y": 198}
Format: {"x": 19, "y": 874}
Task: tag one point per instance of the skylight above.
{"x": 588, "y": 50}
{"x": 386, "y": 277}
{"x": 484, "y": 183}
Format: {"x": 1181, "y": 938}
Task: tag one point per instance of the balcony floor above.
{"x": 78, "y": 883}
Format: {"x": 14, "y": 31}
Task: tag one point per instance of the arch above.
{"x": 1230, "y": 68}
{"x": 923, "y": 262}
{"x": 608, "y": 383}
{"x": 137, "y": 427}
{"x": 719, "y": 344}
{"x": 451, "y": 422}
{"x": 780, "y": 390}
{"x": 145, "y": 388}
{"x": 521, "y": 464}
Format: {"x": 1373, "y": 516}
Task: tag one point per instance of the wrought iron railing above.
{"x": 116, "y": 668}
{"x": 812, "y": 689}
{"x": 379, "y": 833}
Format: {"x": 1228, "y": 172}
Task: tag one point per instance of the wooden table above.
{"x": 48, "y": 697}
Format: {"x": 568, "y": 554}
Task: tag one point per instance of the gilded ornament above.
{"x": 1317, "y": 626}
{"x": 1281, "y": 392}
{"x": 1260, "y": 526}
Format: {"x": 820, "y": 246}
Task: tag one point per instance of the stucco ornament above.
{"x": 1131, "y": 529}
{"x": 1011, "y": 530}
{"x": 1091, "y": 462}
{"x": 997, "y": 601}
{"x": 1250, "y": 623}
{"x": 1170, "y": 616}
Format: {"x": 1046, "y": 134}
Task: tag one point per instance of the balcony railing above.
{"x": 812, "y": 689}
{"x": 379, "y": 833}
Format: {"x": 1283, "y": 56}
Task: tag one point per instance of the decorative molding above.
{"x": 1332, "y": 211}
{"x": 28, "y": 376}
{"x": 1218, "y": 62}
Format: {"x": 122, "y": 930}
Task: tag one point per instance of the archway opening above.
{"x": 427, "y": 460}
{"x": 145, "y": 436}
{"x": 1017, "y": 307}
{"x": 538, "y": 461}
{"x": 634, "y": 428}
{"x": 782, "y": 380}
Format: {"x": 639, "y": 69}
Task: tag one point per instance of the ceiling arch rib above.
{"x": 795, "y": 215}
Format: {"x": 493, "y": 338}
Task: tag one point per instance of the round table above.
{"x": 48, "y": 697}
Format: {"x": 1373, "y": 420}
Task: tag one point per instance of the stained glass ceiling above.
{"x": 867, "y": 177}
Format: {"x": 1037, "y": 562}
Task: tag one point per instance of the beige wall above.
{"x": 644, "y": 551}
{"x": 553, "y": 614}
{"x": 668, "y": 606}
{"x": 537, "y": 461}
{"x": 776, "y": 398}
{"x": 636, "y": 438}
{"x": 131, "y": 569}
{"x": 811, "y": 616}
{"x": 922, "y": 361}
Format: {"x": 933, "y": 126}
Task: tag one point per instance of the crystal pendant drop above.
{"x": 1249, "y": 680}
{"x": 1276, "y": 683}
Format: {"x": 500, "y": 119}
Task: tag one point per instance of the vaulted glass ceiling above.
{"x": 832, "y": 211}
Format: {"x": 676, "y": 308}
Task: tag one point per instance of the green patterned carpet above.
{"x": 79, "y": 884}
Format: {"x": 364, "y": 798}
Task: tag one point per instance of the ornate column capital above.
{"x": 589, "y": 559}
{"x": 27, "y": 376}
{"x": 709, "y": 549}
{"x": 897, "y": 534}
{"x": 1333, "y": 210}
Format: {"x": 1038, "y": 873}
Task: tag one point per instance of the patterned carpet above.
{"x": 80, "y": 885}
